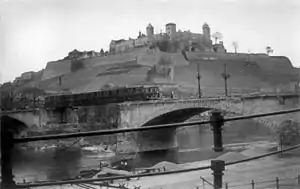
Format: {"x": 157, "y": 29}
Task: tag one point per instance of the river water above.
{"x": 195, "y": 144}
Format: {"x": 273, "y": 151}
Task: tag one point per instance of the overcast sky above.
{"x": 33, "y": 32}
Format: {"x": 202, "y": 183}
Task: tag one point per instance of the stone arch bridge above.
{"x": 137, "y": 114}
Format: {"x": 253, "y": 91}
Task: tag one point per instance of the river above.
{"x": 195, "y": 144}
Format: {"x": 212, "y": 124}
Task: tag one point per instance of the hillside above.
{"x": 249, "y": 73}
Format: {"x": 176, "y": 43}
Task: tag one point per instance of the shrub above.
{"x": 289, "y": 132}
{"x": 76, "y": 65}
{"x": 163, "y": 45}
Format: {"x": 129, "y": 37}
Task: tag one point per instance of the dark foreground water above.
{"x": 195, "y": 144}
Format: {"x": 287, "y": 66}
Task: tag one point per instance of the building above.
{"x": 171, "y": 29}
{"x": 27, "y": 75}
{"x": 194, "y": 41}
{"x": 219, "y": 47}
{"x": 150, "y": 30}
{"x": 75, "y": 54}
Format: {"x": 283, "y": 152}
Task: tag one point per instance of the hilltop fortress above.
{"x": 191, "y": 41}
{"x": 187, "y": 40}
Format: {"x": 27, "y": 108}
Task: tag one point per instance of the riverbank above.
{"x": 259, "y": 170}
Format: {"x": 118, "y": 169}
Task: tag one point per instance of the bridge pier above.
{"x": 161, "y": 139}
{"x": 155, "y": 144}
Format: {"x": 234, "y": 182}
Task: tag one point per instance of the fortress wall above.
{"x": 62, "y": 67}
{"x": 57, "y": 68}
{"x": 153, "y": 58}
{"x": 114, "y": 59}
{"x": 276, "y": 64}
{"x": 280, "y": 65}
{"x": 263, "y": 73}
{"x": 212, "y": 82}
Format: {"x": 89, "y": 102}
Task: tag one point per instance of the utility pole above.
{"x": 198, "y": 79}
{"x": 225, "y": 76}
{"x": 218, "y": 166}
{"x": 59, "y": 80}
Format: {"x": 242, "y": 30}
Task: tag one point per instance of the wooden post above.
{"x": 277, "y": 182}
{"x": 218, "y": 166}
{"x": 7, "y": 143}
{"x": 298, "y": 180}
{"x": 252, "y": 184}
{"x": 203, "y": 183}
{"x": 217, "y": 121}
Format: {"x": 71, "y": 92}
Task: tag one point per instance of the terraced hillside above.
{"x": 249, "y": 73}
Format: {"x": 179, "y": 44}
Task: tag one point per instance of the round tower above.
{"x": 150, "y": 30}
{"x": 170, "y": 29}
{"x": 206, "y": 30}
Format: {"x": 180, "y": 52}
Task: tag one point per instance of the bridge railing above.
{"x": 216, "y": 121}
{"x": 233, "y": 92}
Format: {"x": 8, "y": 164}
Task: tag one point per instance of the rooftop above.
{"x": 170, "y": 24}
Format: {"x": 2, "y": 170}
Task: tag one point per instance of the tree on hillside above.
{"x": 108, "y": 86}
{"x": 217, "y": 36}
{"x": 76, "y": 65}
{"x": 101, "y": 52}
{"x": 163, "y": 45}
{"x": 235, "y": 45}
{"x": 269, "y": 50}
{"x": 6, "y": 100}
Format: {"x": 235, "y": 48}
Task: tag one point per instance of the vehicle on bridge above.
{"x": 116, "y": 95}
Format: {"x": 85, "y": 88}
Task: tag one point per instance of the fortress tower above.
{"x": 171, "y": 29}
{"x": 150, "y": 30}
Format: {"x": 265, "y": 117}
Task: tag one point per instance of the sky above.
{"x": 34, "y": 32}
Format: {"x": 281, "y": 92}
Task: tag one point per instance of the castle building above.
{"x": 196, "y": 41}
{"x": 150, "y": 30}
{"x": 206, "y": 31}
{"x": 171, "y": 29}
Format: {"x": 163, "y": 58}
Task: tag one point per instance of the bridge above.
{"x": 146, "y": 113}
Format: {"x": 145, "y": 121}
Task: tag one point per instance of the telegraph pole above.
{"x": 225, "y": 76}
{"x": 59, "y": 80}
{"x": 198, "y": 79}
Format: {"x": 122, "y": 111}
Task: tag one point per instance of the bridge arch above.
{"x": 166, "y": 137}
{"x": 14, "y": 125}
{"x": 176, "y": 116}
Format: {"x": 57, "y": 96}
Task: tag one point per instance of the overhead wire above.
{"x": 147, "y": 128}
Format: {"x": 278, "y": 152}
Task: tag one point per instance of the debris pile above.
{"x": 167, "y": 165}
{"x": 232, "y": 156}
